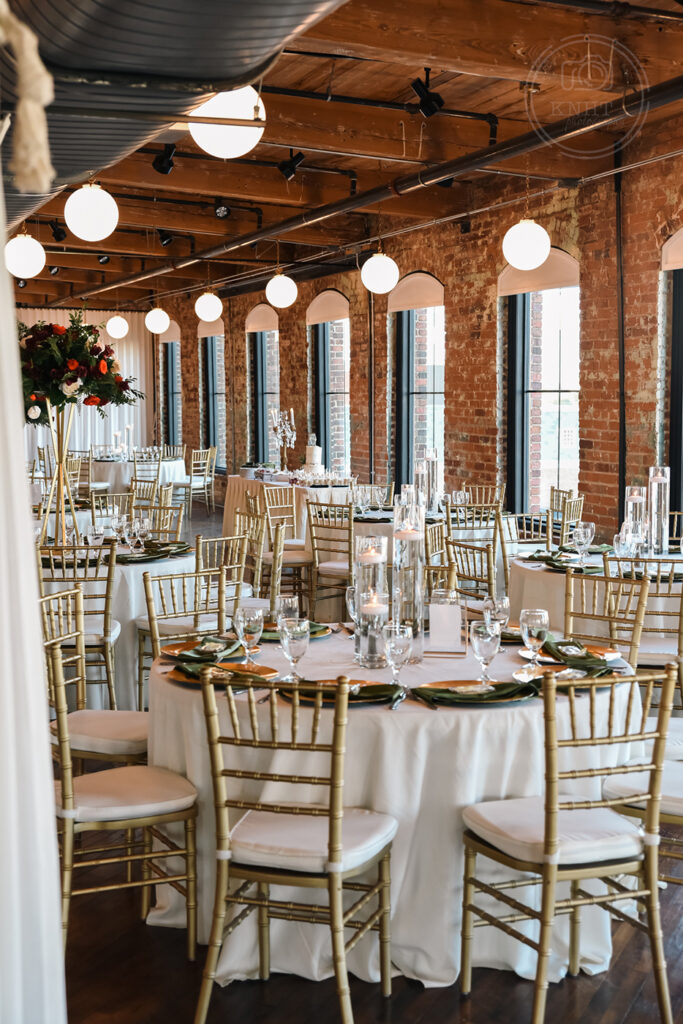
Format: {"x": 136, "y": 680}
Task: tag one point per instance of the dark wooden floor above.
{"x": 120, "y": 971}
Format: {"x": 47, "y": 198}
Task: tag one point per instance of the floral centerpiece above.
{"x": 61, "y": 366}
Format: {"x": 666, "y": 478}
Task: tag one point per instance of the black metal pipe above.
{"x": 649, "y": 99}
{"x": 621, "y": 341}
{"x": 616, "y": 9}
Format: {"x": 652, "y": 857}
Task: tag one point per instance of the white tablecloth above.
{"x": 235, "y": 498}
{"x": 119, "y": 474}
{"x": 416, "y": 764}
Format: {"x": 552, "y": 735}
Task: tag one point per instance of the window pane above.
{"x": 429, "y": 356}
{"x": 272, "y": 395}
{"x": 338, "y": 397}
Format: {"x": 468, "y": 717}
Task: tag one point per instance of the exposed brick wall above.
{"x": 582, "y": 222}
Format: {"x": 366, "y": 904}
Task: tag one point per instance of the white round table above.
{"x": 422, "y": 767}
{"x": 119, "y": 474}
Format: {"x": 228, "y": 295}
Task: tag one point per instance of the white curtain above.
{"x": 31, "y": 959}
{"x": 135, "y": 353}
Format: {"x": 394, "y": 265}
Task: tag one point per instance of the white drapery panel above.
{"x": 31, "y": 959}
{"x": 135, "y": 353}
{"x": 560, "y": 270}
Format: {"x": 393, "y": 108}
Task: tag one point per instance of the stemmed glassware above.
{"x": 398, "y": 646}
{"x": 248, "y": 624}
{"x": 118, "y": 525}
{"x": 534, "y": 624}
{"x": 144, "y": 526}
{"x": 286, "y": 607}
{"x": 485, "y": 640}
{"x": 353, "y": 615}
{"x": 294, "y": 636}
{"x": 582, "y": 538}
{"x": 497, "y": 609}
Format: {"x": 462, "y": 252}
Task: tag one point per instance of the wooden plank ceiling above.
{"x": 480, "y": 52}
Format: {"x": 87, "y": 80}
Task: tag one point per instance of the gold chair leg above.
{"x": 142, "y": 642}
{"x": 544, "y": 941}
{"x": 385, "y": 925}
{"x": 215, "y": 942}
{"x": 130, "y": 837}
{"x": 574, "y": 933}
{"x": 67, "y": 873}
{"x": 467, "y": 923}
{"x": 649, "y": 881}
{"x": 108, "y": 652}
{"x": 338, "y": 948}
{"x": 146, "y": 891}
{"x": 191, "y": 898}
{"x": 264, "y": 933}
{"x": 313, "y": 595}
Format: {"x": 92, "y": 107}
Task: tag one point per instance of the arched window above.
{"x": 263, "y": 381}
{"x": 211, "y": 342}
{"x": 542, "y": 308}
{"x": 170, "y": 385}
{"x": 328, "y": 318}
{"x": 417, "y": 302}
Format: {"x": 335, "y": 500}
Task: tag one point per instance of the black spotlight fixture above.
{"x": 430, "y": 102}
{"x": 163, "y": 162}
{"x": 165, "y": 237}
{"x": 221, "y": 208}
{"x": 103, "y": 258}
{"x": 287, "y": 168}
{"x": 446, "y": 183}
{"x": 21, "y": 283}
{"x": 53, "y": 270}
{"x": 58, "y": 232}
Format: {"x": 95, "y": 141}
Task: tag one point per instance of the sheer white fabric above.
{"x": 31, "y": 959}
{"x": 135, "y": 355}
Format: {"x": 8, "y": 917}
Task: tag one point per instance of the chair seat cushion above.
{"x": 299, "y": 842}
{"x": 131, "y": 792}
{"x": 107, "y": 732}
{"x": 333, "y": 568}
{"x": 616, "y": 786}
{"x": 291, "y": 558}
{"x": 183, "y": 624}
{"x": 516, "y": 827}
{"x": 657, "y": 651}
{"x": 94, "y": 635}
{"x": 295, "y": 544}
{"x": 674, "y": 741}
{"x": 96, "y": 485}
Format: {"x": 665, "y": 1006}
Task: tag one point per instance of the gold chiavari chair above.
{"x": 102, "y": 735}
{"x": 435, "y": 554}
{"x": 165, "y": 495}
{"x": 181, "y": 606}
{"x": 278, "y": 503}
{"x": 318, "y": 853}
{"x": 134, "y": 799}
{"x": 558, "y": 496}
{"x": 44, "y": 468}
{"x": 331, "y": 531}
{"x": 253, "y": 525}
{"x": 559, "y": 838}
{"x": 606, "y": 609}
{"x": 94, "y": 570}
{"x": 174, "y": 451}
{"x": 72, "y": 468}
{"x": 165, "y": 521}
{"x": 675, "y": 529}
{"x": 104, "y": 506}
{"x": 572, "y": 511}
{"x": 483, "y": 494}
{"x": 145, "y": 480}
{"x": 475, "y": 568}
{"x": 480, "y": 524}
{"x": 88, "y": 485}
{"x": 531, "y": 529}
{"x": 230, "y": 553}
{"x": 198, "y": 483}
{"x": 389, "y": 494}
{"x": 252, "y": 503}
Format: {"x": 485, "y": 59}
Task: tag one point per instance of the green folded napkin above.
{"x": 558, "y": 565}
{"x": 194, "y": 671}
{"x": 315, "y": 628}
{"x": 540, "y": 555}
{"x": 590, "y": 663}
{"x": 196, "y": 654}
{"x": 508, "y": 637}
{"x": 594, "y": 549}
{"x": 435, "y": 696}
{"x": 139, "y": 558}
{"x": 376, "y": 693}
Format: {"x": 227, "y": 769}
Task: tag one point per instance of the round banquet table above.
{"x": 421, "y": 766}
{"x": 235, "y": 498}
{"x": 119, "y": 474}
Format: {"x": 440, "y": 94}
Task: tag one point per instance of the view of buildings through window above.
{"x": 212, "y": 406}
{"x": 264, "y": 393}
{"x": 429, "y": 356}
{"x": 170, "y": 393}
{"x": 339, "y": 423}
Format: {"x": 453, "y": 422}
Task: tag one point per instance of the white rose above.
{"x": 34, "y": 412}
{"x": 116, "y": 366}
{"x": 71, "y": 389}
{"x": 22, "y": 343}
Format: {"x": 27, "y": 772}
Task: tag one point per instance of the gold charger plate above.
{"x": 355, "y": 699}
{"x": 608, "y": 653}
{"x": 178, "y": 676}
{"x": 460, "y": 684}
{"x": 173, "y": 650}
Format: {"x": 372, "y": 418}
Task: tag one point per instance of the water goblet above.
{"x": 286, "y": 607}
{"x": 534, "y": 624}
{"x": 144, "y": 526}
{"x": 582, "y": 537}
{"x": 248, "y": 624}
{"x": 485, "y": 640}
{"x": 398, "y": 646}
{"x": 294, "y": 637}
{"x": 497, "y": 609}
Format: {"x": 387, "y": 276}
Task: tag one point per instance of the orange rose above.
{"x": 33, "y": 398}
{"x": 102, "y": 366}
{"x": 72, "y": 364}
{"x": 56, "y": 329}
{"x": 118, "y": 379}
{"x": 92, "y": 400}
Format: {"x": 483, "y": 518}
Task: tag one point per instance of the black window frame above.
{"x": 405, "y": 390}
{"x": 321, "y": 388}
{"x": 258, "y": 346}
{"x": 172, "y": 393}
{"x": 676, "y": 392}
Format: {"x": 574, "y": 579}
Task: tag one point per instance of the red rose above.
{"x": 56, "y": 329}
{"x": 72, "y": 364}
{"x": 102, "y": 366}
{"x": 92, "y": 400}
{"x": 33, "y": 398}
{"x": 118, "y": 379}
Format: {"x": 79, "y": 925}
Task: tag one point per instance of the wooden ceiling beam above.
{"x": 37, "y": 290}
{"x": 496, "y": 39}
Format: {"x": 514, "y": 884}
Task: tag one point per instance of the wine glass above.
{"x": 582, "y": 537}
{"x": 485, "y": 640}
{"x": 497, "y": 609}
{"x": 118, "y": 525}
{"x": 95, "y": 536}
{"x": 248, "y": 624}
{"x": 534, "y": 624}
{"x": 130, "y": 531}
{"x": 398, "y": 646}
{"x": 294, "y": 636}
{"x": 144, "y": 526}
{"x": 286, "y": 607}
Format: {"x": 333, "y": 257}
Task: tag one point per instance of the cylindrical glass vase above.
{"x": 408, "y": 571}
{"x": 432, "y": 464}
{"x": 635, "y": 507}
{"x": 370, "y": 563}
{"x": 373, "y": 613}
{"x": 658, "y": 486}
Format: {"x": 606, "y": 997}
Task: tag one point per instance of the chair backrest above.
{"x": 61, "y": 616}
{"x": 146, "y": 474}
{"x": 145, "y": 491}
{"x": 183, "y": 599}
{"x": 530, "y": 528}
{"x": 253, "y": 525}
{"x": 227, "y": 552}
{"x": 252, "y": 503}
{"x": 475, "y": 566}
{"x": 165, "y": 494}
{"x": 280, "y": 727}
{"x": 572, "y": 511}
{"x": 275, "y": 582}
{"x": 435, "y": 554}
{"x": 624, "y": 720}
{"x": 166, "y": 521}
{"x": 44, "y": 461}
{"x": 279, "y": 506}
{"x": 606, "y": 609}
{"x": 92, "y": 568}
{"x": 200, "y": 464}
{"x": 331, "y": 531}
{"x": 664, "y": 610}
{"x": 558, "y": 496}
{"x": 479, "y": 524}
{"x": 483, "y": 494}
{"x": 72, "y": 466}
{"x": 174, "y": 451}
{"x": 104, "y": 506}
{"x": 62, "y": 748}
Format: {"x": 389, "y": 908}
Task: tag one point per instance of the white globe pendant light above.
{"x": 24, "y": 256}
{"x": 208, "y": 307}
{"x": 117, "y": 326}
{"x": 229, "y": 140}
{"x": 281, "y": 291}
{"x": 157, "y": 320}
{"x": 91, "y": 213}
{"x": 526, "y": 245}
{"x": 379, "y": 274}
